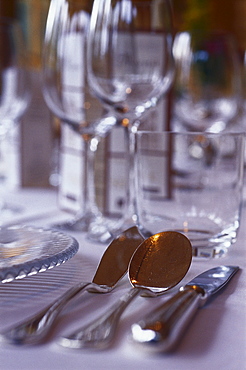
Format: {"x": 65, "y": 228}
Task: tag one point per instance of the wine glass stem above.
{"x": 90, "y": 207}
{"x": 131, "y": 214}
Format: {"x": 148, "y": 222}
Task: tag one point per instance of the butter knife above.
{"x": 161, "y": 330}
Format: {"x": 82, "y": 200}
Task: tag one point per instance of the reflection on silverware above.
{"x": 158, "y": 264}
{"x": 163, "y": 327}
{"x": 111, "y": 269}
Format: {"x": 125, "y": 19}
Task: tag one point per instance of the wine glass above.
{"x": 130, "y": 65}
{"x": 14, "y": 90}
{"x": 243, "y": 111}
{"x": 208, "y": 80}
{"x": 67, "y": 94}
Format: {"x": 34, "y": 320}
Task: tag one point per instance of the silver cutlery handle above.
{"x": 99, "y": 334}
{"x": 35, "y": 328}
{"x": 164, "y": 326}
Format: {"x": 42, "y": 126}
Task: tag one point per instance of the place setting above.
{"x": 139, "y": 284}
{"x": 157, "y": 264}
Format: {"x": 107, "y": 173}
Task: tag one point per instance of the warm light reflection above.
{"x": 125, "y": 122}
{"x": 185, "y": 227}
{"x": 157, "y": 325}
{"x": 87, "y": 105}
{"x": 122, "y": 238}
{"x": 155, "y": 237}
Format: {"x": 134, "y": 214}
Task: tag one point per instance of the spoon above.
{"x": 159, "y": 263}
{"x": 112, "y": 267}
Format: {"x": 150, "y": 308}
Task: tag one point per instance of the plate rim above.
{"x": 36, "y": 265}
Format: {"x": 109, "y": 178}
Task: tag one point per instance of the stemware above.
{"x": 130, "y": 65}
{"x": 243, "y": 111}
{"x": 67, "y": 94}
{"x": 14, "y": 90}
{"x": 208, "y": 80}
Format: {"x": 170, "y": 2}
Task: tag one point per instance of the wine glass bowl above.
{"x": 68, "y": 96}
{"x": 130, "y": 63}
{"x": 208, "y": 80}
{"x": 15, "y": 92}
{"x": 130, "y": 66}
{"x": 14, "y": 81}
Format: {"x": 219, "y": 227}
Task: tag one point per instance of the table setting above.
{"x": 163, "y": 283}
{"x": 218, "y": 325}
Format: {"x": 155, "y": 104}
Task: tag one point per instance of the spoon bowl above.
{"x": 160, "y": 262}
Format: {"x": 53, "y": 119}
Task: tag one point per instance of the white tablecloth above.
{"x": 216, "y": 339}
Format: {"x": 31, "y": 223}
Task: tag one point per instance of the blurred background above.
{"x": 40, "y": 150}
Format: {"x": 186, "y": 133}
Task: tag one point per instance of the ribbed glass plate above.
{"x": 25, "y": 251}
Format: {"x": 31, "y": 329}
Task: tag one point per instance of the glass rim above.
{"x": 191, "y": 133}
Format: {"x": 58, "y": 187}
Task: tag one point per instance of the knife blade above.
{"x": 161, "y": 330}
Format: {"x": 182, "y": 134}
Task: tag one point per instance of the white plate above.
{"x": 26, "y": 251}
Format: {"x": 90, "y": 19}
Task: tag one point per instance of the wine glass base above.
{"x": 98, "y": 228}
{"x": 99, "y": 233}
{"x": 104, "y": 230}
{"x": 71, "y": 225}
{"x": 9, "y": 210}
{"x": 78, "y": 224}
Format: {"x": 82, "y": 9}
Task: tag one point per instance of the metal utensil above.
{"x": 112, "y": 267}
{"x": 163, "y": 327}
{"x": 158, "y": 264}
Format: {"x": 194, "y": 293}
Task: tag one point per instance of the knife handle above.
{"x": 164, "y": 326}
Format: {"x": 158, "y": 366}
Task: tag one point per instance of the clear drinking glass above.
{"x": 130, "y": 65}
{"x": 68, "y": 96}
{"x": 191, "y": 183}
{"x": 208, "y": 91}
{"x": 15, "y": 92}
